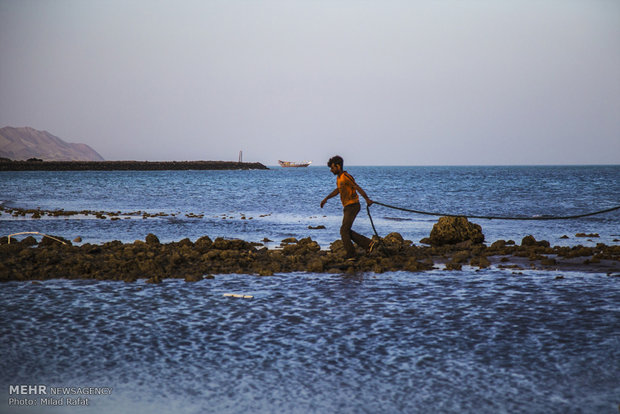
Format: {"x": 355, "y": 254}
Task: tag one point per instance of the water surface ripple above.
{"x": 487, "y": 342}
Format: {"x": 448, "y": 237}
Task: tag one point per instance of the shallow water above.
{"x": 486, "y": 341}
{"x": 468, "y": 341}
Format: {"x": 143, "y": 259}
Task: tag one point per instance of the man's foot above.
{"x": 372, "y": 246}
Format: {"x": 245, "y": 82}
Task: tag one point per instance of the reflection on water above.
{"x": 485, "y": 341}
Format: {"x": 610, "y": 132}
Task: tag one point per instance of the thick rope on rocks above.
{"x": 545, "y": 217}
{"x": 429, "y": 213}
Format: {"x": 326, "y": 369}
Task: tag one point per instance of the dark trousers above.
{"x": 349, "y": 214}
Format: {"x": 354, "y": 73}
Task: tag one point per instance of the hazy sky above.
{"x": 409, "y": 82}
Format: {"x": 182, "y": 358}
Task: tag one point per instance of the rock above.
{"x": 395, "y": 239}
{"x": 453, "y": 266}
{"x": 587, "y": 235}
{"x": 77, "y": 240}
{"x": 114, "y": 244}
{"x": 337, "y": 248}
{"x": 193, "y": 278}
{"x": 204, "y": 243}
{"x": 412, "y": 265}
{"x": 56, "y": 240}
{"x": 154, "y": 279}
{"x": 336, "y": 245}
{"x": 315, "y": 266}
{"x": 499, "y": 244}
{"x": 232, "y": 244}
{"x": 94, "y": 250}
{"x": 309, "y": 245}
{"x": 185, "y": 243}
{"x": 152, "y": 240}
{"x": 461, "y": 256}
{"x": 467, "y": 244}
{"x": 453, "y": 230}
{"x": 480, "y": 261}
{"x": 319, "y": 227}
{"x": 29, "y": 241}
{"x": 528, "y": 241}
{"x": 531, "y": 241}
{"x": 184, "y": 260}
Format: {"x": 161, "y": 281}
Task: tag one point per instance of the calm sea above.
{"x": 283, "y": 202}
{"x": 471, "y": 341}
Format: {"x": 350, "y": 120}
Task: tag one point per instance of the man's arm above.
{"x": 332, "y": 194}
{"x": 362, "y": 193}
{"x": 359, "y": 189}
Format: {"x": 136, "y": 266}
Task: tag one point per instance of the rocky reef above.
{"x": 150, "y": 259}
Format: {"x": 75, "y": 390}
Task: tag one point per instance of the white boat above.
{"x": 288, "y": 164}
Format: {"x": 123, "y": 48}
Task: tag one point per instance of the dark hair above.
{"x": 336, "y": 159}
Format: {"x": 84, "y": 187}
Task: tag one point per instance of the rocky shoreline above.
{"x": 38, "y": 165}
{"x": 454, "y": 243}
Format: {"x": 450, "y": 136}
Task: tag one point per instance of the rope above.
{"x": 371, "y": 222}
{"x": 428, "y": 213}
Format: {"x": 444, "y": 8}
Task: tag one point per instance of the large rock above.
{"x": 453, "y": 230}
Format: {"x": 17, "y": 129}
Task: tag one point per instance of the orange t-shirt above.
{"x": 348, "y": 195}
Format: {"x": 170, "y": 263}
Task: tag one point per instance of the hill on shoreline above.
{"x": 24, "y": 143}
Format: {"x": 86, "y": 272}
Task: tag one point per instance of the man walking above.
{"x": 348, "y": 189}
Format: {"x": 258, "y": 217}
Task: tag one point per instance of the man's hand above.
{"x": 332, "y": 194}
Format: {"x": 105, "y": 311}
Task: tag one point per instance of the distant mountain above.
{"x": 25, "y": 143}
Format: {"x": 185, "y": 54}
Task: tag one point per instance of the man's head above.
{"x": 335, "y": 164}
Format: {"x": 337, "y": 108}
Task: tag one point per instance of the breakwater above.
{"x": 8, "y": 165}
